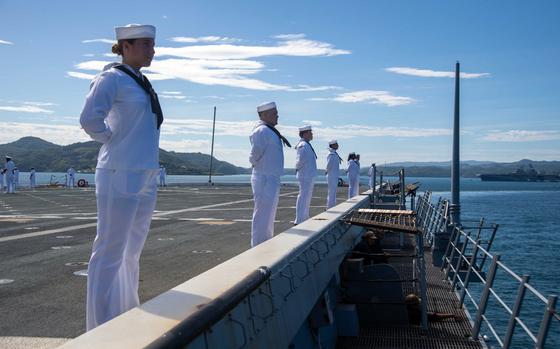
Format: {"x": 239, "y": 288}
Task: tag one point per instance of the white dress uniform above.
{"x": 71, "y": 177}
{"x": 10, "y": 187}
{"x": 353, "y": 178}
{"x": 333, "y": 172}
{"x": 370, "y": 174}
{"x": 16, "y": 178}
{"x": 118, "y": 113}
{"x": 32, "y": 179}
{"x": 306, "y": 170}
{"x": 162, "y": 174}
{"x": 267, "y": 158}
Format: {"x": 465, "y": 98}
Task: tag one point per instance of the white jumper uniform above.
{"x": 306, "y": 170}
{"x": 162, "y": 174}
{"x": 10, "y": 186}
{"x": 16, "y": 178}
{"x": 353, "y": 178}
{"x": 333, "y": 172}
{"x": 118, "y": 113}
{"x": 71, "y": 177}
{"x": 32, "y": 180}
{"x": 370, "y": 174}
{"x": 267, "y": 158}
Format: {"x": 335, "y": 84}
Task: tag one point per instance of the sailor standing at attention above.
{"x": 71, "y": 177}
{"x": 306, "y": 170}
{"x": 371, "y": 173}
{"x": 122, "y": 111}
{"x": 9, "y": 173}
{"x": 16, "y": 178}
{"x": 267, "y": 159}
{"x": 162, "y": 174}
{"x": 353, "y": 176}
{"x": 32, "y": 181}
{"x": 333, "y": 171}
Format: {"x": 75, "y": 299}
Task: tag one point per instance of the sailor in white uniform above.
{"x": 353, "y": 176}
{"x": 71, "y": 173}
{"x": 371, "y": 174}
{"x": 333, "y": 172}
{"x": 306, "y": 170}
{"x": 9, "y": 174}
{"x": 16, "y": 178}
{"x": 32, "y": 179}
{"x": 122, "y": 112}
{"x": 267, "y": 159}
{"x": 162, "y": 174}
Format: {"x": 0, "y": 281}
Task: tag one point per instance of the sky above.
{"x": 375, "y": 75}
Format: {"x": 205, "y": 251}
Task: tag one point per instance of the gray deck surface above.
{"x": 46, "y": 301}
{"x": 447, "y": 334}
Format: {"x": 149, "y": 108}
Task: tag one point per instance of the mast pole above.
{"x": 212, "y": 149}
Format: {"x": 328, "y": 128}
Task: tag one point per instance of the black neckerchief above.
{"x": 147, "y": 87}
{"x": 284, "y": 140}
{"x": 339, "y": 158}
{"x": 311, "y": 148}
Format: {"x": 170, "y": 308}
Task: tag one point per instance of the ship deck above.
{"x": 46, "y": 237}
{"x": 446, "y": 334}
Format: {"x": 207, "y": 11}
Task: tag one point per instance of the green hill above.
{"x": 35, "y": 152}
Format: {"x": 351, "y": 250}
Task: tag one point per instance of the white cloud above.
{"x": 80, "y": 75}
{"x": 426, "y": 73}
{"x": 226, "y": 64}
{"x": 289, "y": 36}
{"x": 27, "y": 108}
{"x": 171, "y": 96}
{"x": 172, "y": 92}
{"x": 40, "y": 103}
{"x": 210, "y": 39}
{"x": 521, "y": 136}
{"x": 312, "y": 122}
{"x": 4, "y": 42}
{"x": 368, "y": 96}
{"x": 105, "y": 41}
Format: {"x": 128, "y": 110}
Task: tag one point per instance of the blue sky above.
{"x": 373, "y": 74}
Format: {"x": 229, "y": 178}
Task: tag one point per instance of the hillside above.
{"x": 49, "y": 157}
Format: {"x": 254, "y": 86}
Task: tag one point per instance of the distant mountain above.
{"x": 469, "y": 168}
{"x": 49, "y": 157}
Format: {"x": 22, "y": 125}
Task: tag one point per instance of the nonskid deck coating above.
{"x": 194, "y": 229}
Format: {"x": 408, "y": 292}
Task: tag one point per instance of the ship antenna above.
{"x": 212, "y": 149}
{"x": 455, "y": 207}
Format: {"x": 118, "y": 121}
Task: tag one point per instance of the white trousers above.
{"x": 32, "y": 183}
{"x": 304, "y": 199}
{"x": 71, "y": 182}
{"x": 161, "y": 181}
{"x": 266, "y": 191}
{"x": 353, "y": 186}
{"x": 332, "y": 182}
{"x": 125, "y": 203}
{"x": 10, "y": 185}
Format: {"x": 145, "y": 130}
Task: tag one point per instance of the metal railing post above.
{"x": 460, "y": 260}
{"x": 453, "y": 248}
{"x": 484, "y": 297}
{"x": 545, "y": 323}
{"x": 472, "y": 263}
{"x": 515, "y": 311}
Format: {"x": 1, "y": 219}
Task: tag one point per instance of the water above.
{"x": 527, "y": 238}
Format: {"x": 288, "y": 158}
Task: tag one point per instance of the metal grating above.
{"x": 392, "y": 220}
{"x": 447, "y": 334}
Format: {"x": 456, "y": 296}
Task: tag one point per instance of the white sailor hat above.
{"x": 135, "y": 31}
{"x": 8, "y": 157}
{"x": 266, "y": 106}
{"x": 305, "y": 128}
{"x": 333, "y": 141}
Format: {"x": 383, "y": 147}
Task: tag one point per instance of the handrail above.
{"x": 191, "y": 327}
{"x": 467, "y": 251}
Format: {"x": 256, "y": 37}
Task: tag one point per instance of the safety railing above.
{"x": 472, "y": 272}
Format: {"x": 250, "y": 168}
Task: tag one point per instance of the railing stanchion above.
{"x": 472, "y": 264}
{"x": 515, "y": 311}
{"x": 485, "y": 295}
{"x": 545, "y": 323}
